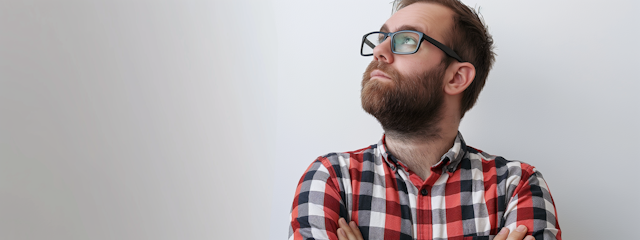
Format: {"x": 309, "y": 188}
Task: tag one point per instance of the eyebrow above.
{"x": 384, "y": 28}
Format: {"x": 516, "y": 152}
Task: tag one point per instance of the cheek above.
{"x": 412, "y": 68}
{"x": 420, "y": 62}
{"x": 417, "y": 64}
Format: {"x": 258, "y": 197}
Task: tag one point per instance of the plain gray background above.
{"x": 196, "y": 119}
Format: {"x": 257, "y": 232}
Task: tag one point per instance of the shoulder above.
{"x": 513, "y": 176}
{"x": 337, "y": 164}
{"x": 515, "y": 169}
{"x": 352, "y": 159}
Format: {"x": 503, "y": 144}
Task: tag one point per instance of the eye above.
{"x": 408, "y": 40}
{"x": 405, "y": 42}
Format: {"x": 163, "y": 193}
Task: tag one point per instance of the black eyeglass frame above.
{"x": 423, "y": 36}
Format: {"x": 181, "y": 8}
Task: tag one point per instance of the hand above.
{"x": 352, "y": 232}
{"x": 348, "y": 231}
{"x": 518, "y": 234}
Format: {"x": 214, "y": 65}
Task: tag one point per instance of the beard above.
{"x": 408, "y": 106}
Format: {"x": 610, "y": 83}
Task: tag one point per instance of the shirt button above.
{"x": 423, "y": 192}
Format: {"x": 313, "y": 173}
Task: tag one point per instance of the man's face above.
{"x": 405, "y": 92}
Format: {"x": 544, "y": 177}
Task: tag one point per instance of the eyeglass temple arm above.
{"x": 370, "y": 44}
{"x": 444, "y": 48}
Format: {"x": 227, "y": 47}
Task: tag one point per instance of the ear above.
{"x": 462, "y": 77}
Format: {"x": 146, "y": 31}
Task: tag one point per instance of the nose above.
{"x": 383, "y": 52}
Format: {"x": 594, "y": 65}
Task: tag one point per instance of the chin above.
{"x": 373, "y": 95}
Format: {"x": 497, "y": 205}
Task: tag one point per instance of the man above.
{"x": 421, "y": 181}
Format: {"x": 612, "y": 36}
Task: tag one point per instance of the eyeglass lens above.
{"x": 403, "y": 42}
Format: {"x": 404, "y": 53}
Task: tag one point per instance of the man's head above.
{"x": 410, "y": 93}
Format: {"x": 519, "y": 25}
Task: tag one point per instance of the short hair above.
{"x": 471, "y": 40}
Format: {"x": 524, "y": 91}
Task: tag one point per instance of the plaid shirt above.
{"x": 469, "y": 195}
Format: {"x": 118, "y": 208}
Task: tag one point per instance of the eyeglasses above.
{"x": 402, "y": 42}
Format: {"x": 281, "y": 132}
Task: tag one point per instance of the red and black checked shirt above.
{"x": 469, "y": 195}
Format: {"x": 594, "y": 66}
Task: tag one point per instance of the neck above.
{"x": 420, "y": 152}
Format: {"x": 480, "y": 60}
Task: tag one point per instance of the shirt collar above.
{"x": 450, "y": 160}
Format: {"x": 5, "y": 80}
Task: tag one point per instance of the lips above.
{"x": 380, "y": 74}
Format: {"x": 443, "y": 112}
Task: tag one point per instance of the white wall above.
{"x": 135, "y": 119}
{"x": 195, "y": 120}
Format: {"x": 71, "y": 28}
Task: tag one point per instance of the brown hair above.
{"x": 470, "y": 39}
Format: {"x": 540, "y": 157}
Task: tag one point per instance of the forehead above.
{"x": 430, "y": 18}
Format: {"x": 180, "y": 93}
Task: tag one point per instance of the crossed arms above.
{"x": 332, "y": 189}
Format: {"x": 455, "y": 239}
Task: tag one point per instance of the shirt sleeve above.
{"x": 317, "y": 204}
{"x": 531, "y": 205}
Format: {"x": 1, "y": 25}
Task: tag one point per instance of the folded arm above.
{"x": 317, "y": 205}
{"x": 531, "y": 204}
